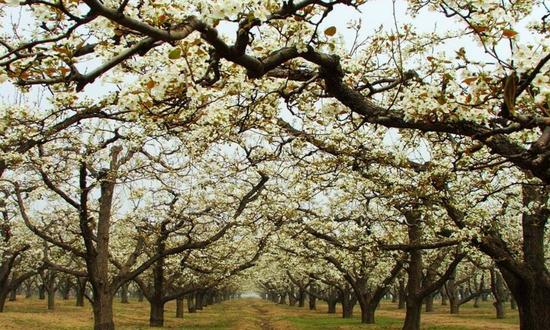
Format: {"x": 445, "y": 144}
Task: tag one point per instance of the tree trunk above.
{"x": 347, "y": 305}
{"x": 97, "y": 260}
{"x": 103, "y": 311}
{"x": 332, "y": 306}
{"x": 455, "y": 306}
{"x": 412, "y": 317}
{"x": 497, "y": 286}
{"x": 347, "y": 311}
{"x": 156, "y": 317}
{"x": 453, "y": 294}
{"x": 199, "y": 300}
{"x": 291, "y": 297}
{"x": 66, "y": 294}
{"x": 282, "y": 298}
{"x": 444, "y": 297}
{"x": 65, "y": 288}
{"x": 41, "y": 292}
{"x": 476, "y": 301}
{"x": 301, "y": 297}
{"x": 28, "y": 290}
{"x": 124, "y": 293}
{"x": 402, "y": 298}
{"x": 208, "y": 299}
{"x": 51, "y": 299}
{"x": 191, "y": 308}
{"x": 367, "y": 313}
{"x": 332, "y": 300}
{"x": 531, "y": 293}
{"x": 3, "y": 297}
{"x": 429, "y": 301}
{"x": 414, "y": 272}
{"x": 179, "y": 308}
{"x": 79, "y": 298}
{"x": 50, "y": 288}
{"x": 534, "y": 309}
{"x": 80, "y": 290}
{"x": 13, "y": 295}
{"x": 394, "y": 295}
{"x": 312, "y": 300}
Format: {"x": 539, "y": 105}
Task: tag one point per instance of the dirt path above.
{"x": 264, "y": 319}
{"x": 259, "y": 314}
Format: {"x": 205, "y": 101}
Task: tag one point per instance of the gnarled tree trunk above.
{"x": 103, "y": 311}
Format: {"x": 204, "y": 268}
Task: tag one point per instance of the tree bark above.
{"x": 476, "y": 301}
{"x": 97, "y": 258}
{"x": 103, "y": 311}
{"x": 394, "y": 295}
{"x": 41, "y": 292}
{"x": 332, "y": 306}
{"x": 13, "y": 294}
{"x": 124, "y": 293}
{"x": 282, "y": 298}
{"x": 332, "y": 300}
{"x": 312, "y": 299}
{"x": 28, "y": 289}
{"x": 367, "y": 314}
{"x": 429, "y": 303}
{"x": 291, "y": 297}
{"x": 412, "y": 317}
{"x": 301, "y": 297}
{"x": 414, "y": 271}
{"x": 530, "y": 284}
{"x": 65, "y": 288}
{"x": 51, "y": 299}
{"x": 156, "y": 317}
{"x": 80, "y": 290}
{"x": 179, "y": 308}
{"x": 527, "y": 278}
{"x": 156, "y": 299}
{"x": 453, "y": 294}
{"x": 50, "y": 286}
{"x": 3, "y": 297}
{"x": 191, "y": 308}
{"x": 402, "y": 294}
{"x": 199, "y": 300}
{"x": 348, "y": 303}
{"x": 499, "y": 292}
{"x": 444, "y": 297}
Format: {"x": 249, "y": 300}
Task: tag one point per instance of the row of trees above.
{"x": 394, "y": 153}
{"x": 108, "y": 211}
{"x": 337, "y": 276}
{"x": 49, "y": 285}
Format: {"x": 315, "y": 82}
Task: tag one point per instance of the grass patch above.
{"x": 244, "y": 314}
{"x": 315, "y": 321}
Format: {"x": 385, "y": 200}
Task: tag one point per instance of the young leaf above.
{"x": 330, "y": 31}
{"x": 509, "y": 33}
{"x": 175, "y": 53}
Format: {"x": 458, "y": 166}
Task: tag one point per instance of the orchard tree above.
{"x": 20, "y": 251}
{"x": 87, "y": 184}
{"x": 175, "y": 63}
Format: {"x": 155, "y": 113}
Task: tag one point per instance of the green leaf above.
{"x": 174, "y": 54}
